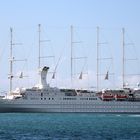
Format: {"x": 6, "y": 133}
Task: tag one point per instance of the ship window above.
{"x": 83, "y": 98}
{"x": 41, "y": 94}
{"x": 41, "y": 98}
{"x": 49, "y": 98}
{"x": 92, "y": 98}
{"x": 44, "y": 98}
{"x": 69, "y": 98}
{"x": 52, "y": 98}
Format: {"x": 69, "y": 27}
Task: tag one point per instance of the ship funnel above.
{"x": 43, "y": 74}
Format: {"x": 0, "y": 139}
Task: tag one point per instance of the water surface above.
{"x": 69, "y": 126}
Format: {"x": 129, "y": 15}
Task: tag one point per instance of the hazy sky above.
{"x": 55, "y": 17}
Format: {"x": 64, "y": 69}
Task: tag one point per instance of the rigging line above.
{"x": 111, "y": 59}
{"x": 2, "y": 52}
{"x": 23, "y": 60}
{"x": 87, "y": 82}
{"x": 29, "y": 81}
{"x": 84, "y": 64}
{"x": 61, "y": 54}
{"x": 52, "y": 49}
{"x": 111, "y": 66}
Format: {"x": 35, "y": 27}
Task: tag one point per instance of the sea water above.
{"x": 69, "y": 126}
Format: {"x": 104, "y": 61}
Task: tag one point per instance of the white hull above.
{"x": 73, "y": 106}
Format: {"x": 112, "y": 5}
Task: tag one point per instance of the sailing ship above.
{"x": 44, "y": 98}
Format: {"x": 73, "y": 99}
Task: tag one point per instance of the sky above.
{"x": 56, "y": 17}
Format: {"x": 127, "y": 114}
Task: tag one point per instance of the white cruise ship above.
{"x": 44, "y": 98}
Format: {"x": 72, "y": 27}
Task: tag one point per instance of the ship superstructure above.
{"x": 43, "y": 98}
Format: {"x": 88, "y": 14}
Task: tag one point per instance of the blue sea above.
{"x": 68, "y": 126}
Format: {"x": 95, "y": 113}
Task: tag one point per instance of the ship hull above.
{"x": 97, "y": 107}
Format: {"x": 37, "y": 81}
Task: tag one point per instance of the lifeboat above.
{"x": 119, "y": 97}
{"x": 107, "y": 97}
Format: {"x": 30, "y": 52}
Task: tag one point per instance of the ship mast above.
{"x": 97, "y": 58}
{"x": 74, "y": 57}
{"x": 123, "y": 56}
{"x": 71, "y": 55}
{"x": 39, "y": 31}
{"x": 98, "y": 43}
{"x": 11, "y": 60}
{"x": 39, "y": 47}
